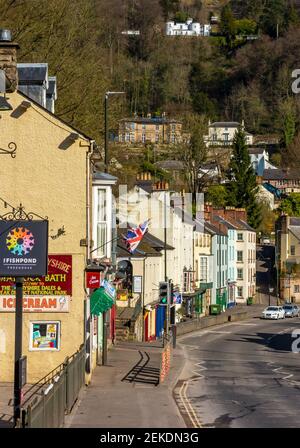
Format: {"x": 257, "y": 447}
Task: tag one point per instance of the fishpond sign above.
{"x": 23, "y": 248}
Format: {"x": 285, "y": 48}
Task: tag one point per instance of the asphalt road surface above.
{"x": 241, "y": 375}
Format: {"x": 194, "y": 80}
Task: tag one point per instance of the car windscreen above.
{"x": 272, "y": 308}
{"x": 288, "y": 307}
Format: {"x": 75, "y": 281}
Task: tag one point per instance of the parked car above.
{"x": 296, "y": 310}
{"x": 291, "y": 310}
{"x": 273, "y": 312}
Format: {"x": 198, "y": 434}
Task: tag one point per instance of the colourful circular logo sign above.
{"x": 20, "y": 241}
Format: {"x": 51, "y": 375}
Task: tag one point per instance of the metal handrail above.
{"x": 48, "y": 379}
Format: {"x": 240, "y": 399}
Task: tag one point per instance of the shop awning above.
{"x": 100, "y": 302}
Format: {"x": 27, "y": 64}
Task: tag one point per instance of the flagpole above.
{"x": 105, "y": 244}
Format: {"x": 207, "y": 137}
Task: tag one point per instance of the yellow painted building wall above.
{"x": 52, "y": 183}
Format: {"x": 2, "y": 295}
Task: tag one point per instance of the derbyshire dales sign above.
{"x": 51, "y": 293}
{"x": 23, "y": 248}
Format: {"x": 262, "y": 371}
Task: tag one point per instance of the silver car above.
{"x": 291, "y": 310}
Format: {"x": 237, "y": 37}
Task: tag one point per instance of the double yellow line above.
{"x": 188, "y": 406}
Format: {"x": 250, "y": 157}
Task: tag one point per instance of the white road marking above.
{"x": 219, "y": 332}
{"x": 244, "y": 324}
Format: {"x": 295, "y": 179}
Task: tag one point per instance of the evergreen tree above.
{"x": 228, "y": 26}
{"x": 242, "y": 188}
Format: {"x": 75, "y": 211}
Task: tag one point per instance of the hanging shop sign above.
{"x": 50, "y": 293}
{"x": 44, "y": 335}
{"x": 93, "y": 279}
{"x": 109, "y": 289}
{"x": 23, "y": 248}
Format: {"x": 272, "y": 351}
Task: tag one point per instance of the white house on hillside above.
{"x": 221, "y": 133}
{"x": 188, "y": 28}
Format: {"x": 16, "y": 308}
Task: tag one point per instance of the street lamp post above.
{"x": 277, "y": 267}
{"x": 107, "y": 94}
{"x": 270, "y": 292}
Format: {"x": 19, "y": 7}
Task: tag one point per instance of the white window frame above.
{"x": 237, "y": 256}
{"x": 241, "y": 270}
{"x": 44, "y": 349}
{"x": 203, "y": 266}
{"x": 106, "y": 250}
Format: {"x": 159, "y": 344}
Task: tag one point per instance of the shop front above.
{"x": 222, "y": 298}
{"x": 231, "y": 294}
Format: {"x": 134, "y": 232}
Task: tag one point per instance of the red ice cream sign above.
{"x": 93, "y": 279}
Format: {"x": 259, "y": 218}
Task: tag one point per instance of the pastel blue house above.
{"x": 232, "y": 259}
{"x": 260, "y": 160}
{"x": 220, "y": 265}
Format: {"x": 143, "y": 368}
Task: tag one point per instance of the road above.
{"x": 241, "y": 375}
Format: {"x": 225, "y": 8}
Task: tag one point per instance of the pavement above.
{"x": 121, "y": 395}
{"x": 241, "y": 375}
{"x": 6, "y": 408}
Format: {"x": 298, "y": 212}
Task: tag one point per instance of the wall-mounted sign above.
{"x": 137, "y": 284}
{"x": 50, "y": 293}
{"x": 23, "y": 248}
{"x": 93, "y": 279}
{"x": 44, "y": 335}
{"x": 177, "y": 298}
{"x": 122, "y": 294}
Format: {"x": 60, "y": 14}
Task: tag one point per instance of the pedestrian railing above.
{"x": 45, "y": 403}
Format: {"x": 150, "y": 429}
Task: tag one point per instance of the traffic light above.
{"x": 164, "y": 293}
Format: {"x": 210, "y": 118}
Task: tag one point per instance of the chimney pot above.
{"x": 8, "y": 60}
{"x": 5, "y": 35}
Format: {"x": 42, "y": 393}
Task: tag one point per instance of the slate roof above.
{"x": 212, "y": 229}
{"x": 244, "y": 225}
{"x": 295, "y": 230}
{"x": 146, "y": 185}
{"x": 152, "y": 120}
{"x": 170, "y": 165}
{"x": 227, "y": 223}
{"x": 99, "y": 175}
{"x": 256, "y": 150}
{"x": 32, "y": 73}
{"x": 278, "y": 174}
{"x": 225, "y": 124}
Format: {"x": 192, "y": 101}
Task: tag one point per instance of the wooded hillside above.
{"x": 223, "y": 77}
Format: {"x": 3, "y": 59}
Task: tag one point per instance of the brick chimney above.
{"x": 8, "y": 60}
{"x": 161, "y": 186}
{"x": 208, "y": 211}
{"x": 241, "y": 214}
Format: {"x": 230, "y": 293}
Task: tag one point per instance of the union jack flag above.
{"x": 135, "y": 235}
